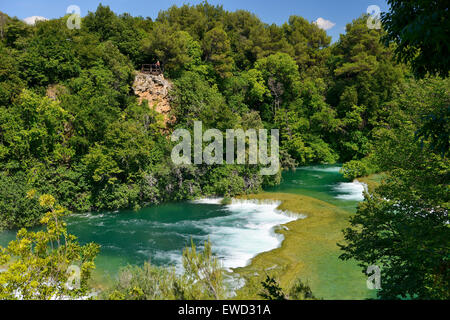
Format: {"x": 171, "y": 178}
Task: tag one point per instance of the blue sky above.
{"x": 275, "y": 11}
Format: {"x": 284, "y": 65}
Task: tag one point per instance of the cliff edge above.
{"x": 155, "y": 89}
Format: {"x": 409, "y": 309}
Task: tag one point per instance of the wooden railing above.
{"x": 152, "y": 69}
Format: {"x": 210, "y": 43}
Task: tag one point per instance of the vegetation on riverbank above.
{"x": 48, "y": 264}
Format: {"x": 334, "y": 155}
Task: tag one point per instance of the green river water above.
{"x": 238, "y": 231}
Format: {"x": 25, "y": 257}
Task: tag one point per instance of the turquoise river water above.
{"x": 238, "y": 231}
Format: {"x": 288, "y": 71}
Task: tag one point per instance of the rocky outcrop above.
{"x": 155, "y": 89}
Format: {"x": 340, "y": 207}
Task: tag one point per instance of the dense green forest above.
{"x": 94, "y": 148}
{"x": 71, "y": 127}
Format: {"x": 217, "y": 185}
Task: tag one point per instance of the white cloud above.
{"x": 32, "y": 20}
{"x": 324, "y": 24}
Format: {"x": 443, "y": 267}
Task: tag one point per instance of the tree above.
{"x": 420, "y": 30}
{"x": 103, "y": 22}
{"x": 308, "y": 42}
{"x": 248, "y": 37}
{"x": 14, "y": 31}
{"x": 282, "y": 78}
{"x": 125, "y": 31}
{"x": 10, "y": 82}
{"x": 272, "y": 290}
{"x": 48, "y": 57}
{"x": 194, "y": 99}
{"x": 217, "y": 50}
{"x": 172, "y": 48}
{"x": 47, "y": 264}
{"x": 31, "y": 128}
{"x": 403, "y": 226}
{"x": 365, "y": 77}
{"x": 409, "y": 240}
{"x": 204, "y": 270}
{"x": 17, "y": 211}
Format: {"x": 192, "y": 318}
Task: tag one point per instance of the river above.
{"x": 238, "y": 231}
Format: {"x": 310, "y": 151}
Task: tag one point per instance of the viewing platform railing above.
{"x": 152, "y": 69}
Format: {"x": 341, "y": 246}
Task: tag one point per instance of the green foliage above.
{"x": 146, "y": 283}
{"x": 48, "y": 56}
{"x": 177, "y": 50}
{"x": 31, "y": 128}
{"x": 125, "y": 31}
{"x": 365, "y": 78}
{"x": 419, "y": 29}
{"x": 231, "y": 180}
{"x": 271, "y": 290}
{"x": 69, "y": 126}
{"x": 10, "y": 83}
{"x": 40, "y": 265}
{"x": 194, "y": 99}
{"x": 202, "y": 279}
{"x": 217, "y": 50}
{"x": 403, "y": 226}
{"x": 409, "y": 240}
{"x": 16, "y": 209}
{"x": 358, "y": 168}
{"x": 205, "y": 271}
{"x": 436, "y": 128}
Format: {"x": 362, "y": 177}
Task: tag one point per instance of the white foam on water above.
{"x": 208, "y": 201}
{"x": 350, "y": 191}
{"x": 248, "y": 230}
{"x": 91, "y": 216}
{"x": 173, "y": 258}
{"x": 242, "y": 230}
{"x": 321, "y": 169}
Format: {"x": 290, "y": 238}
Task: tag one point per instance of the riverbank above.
{"x": 309, "y": 251}
{"x": 372, "y": 181}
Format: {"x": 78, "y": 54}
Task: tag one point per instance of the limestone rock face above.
{"x": 155, "y": 89}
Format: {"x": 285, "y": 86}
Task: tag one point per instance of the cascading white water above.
{"x": 247, "y": 230}
{"x": 350, "y": 191}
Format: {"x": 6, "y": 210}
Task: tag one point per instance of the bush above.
{"x": 202, "y": 279}
{"x": 358, "y": 168}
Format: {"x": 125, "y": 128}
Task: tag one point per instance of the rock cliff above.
{"x": 155, "y": 89}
